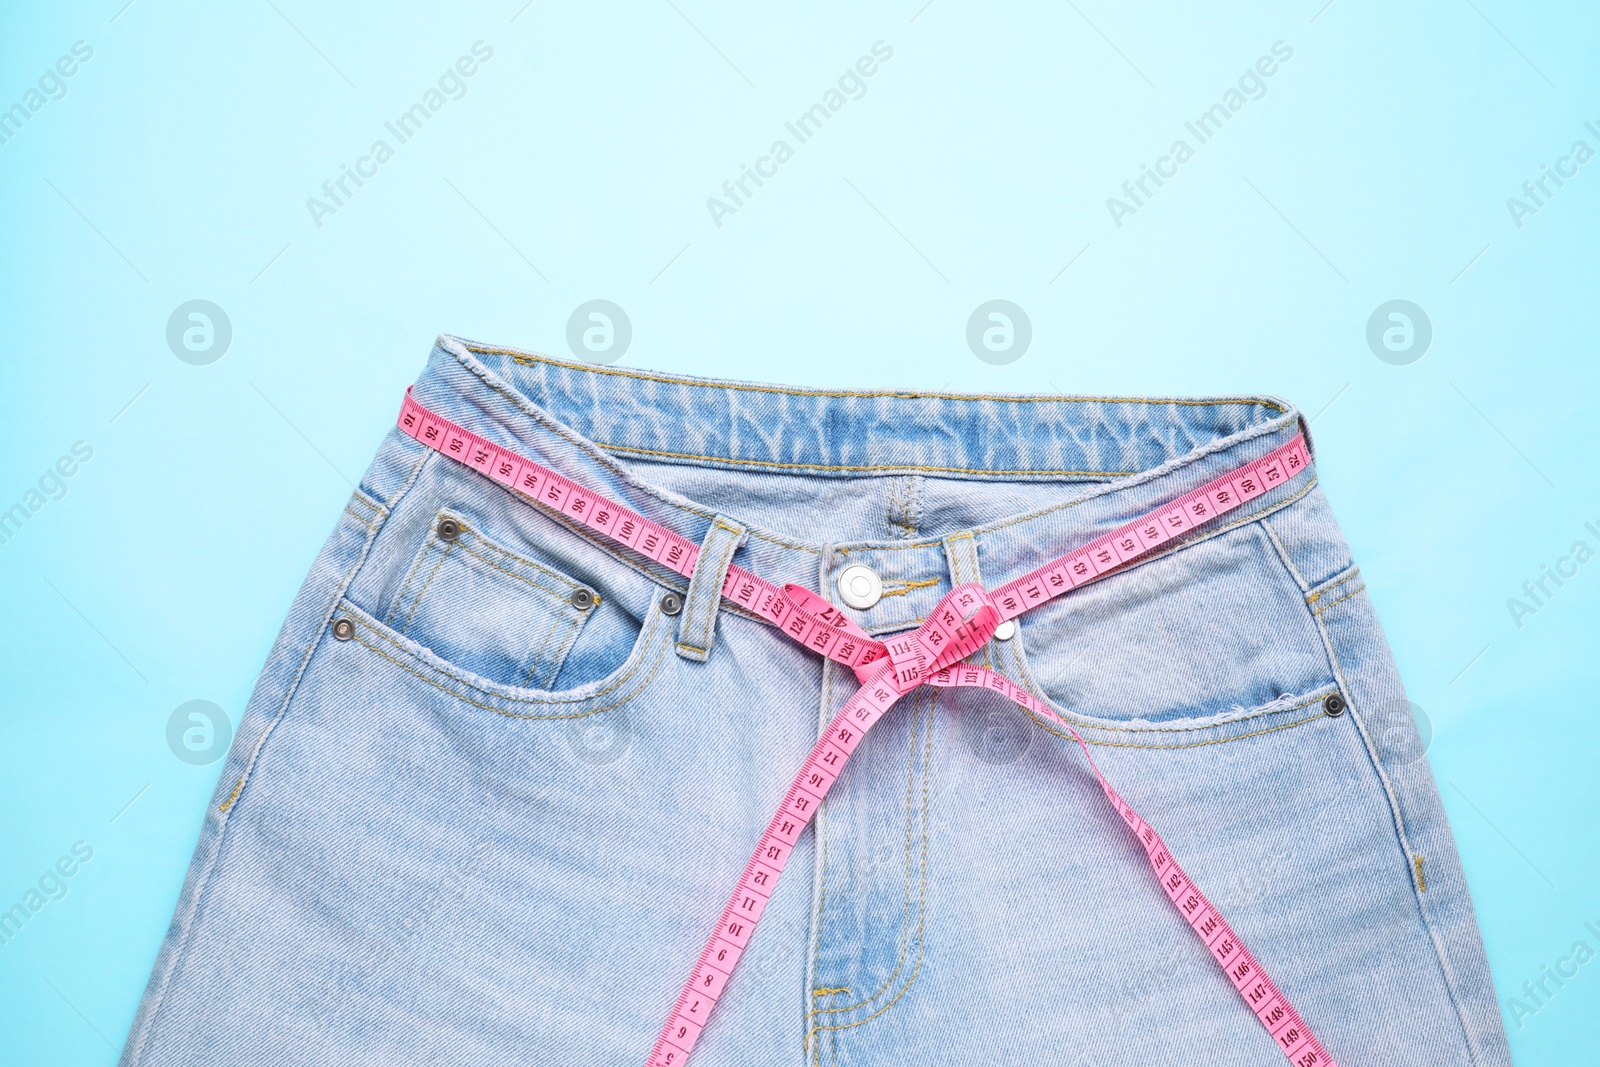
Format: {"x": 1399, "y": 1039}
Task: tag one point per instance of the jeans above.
{"x": 450, "y": 828}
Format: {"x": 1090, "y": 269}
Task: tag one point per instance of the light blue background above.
{"x": 977, "y": 166}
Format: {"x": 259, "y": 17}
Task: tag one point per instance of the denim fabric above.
{"x": 494, "y": 827}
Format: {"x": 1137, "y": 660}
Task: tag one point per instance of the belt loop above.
{"x": 697, "y": 625}
{"x": 961, "y": 553}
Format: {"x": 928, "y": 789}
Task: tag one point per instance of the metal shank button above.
{"x": 583, "y": 599}
{"x": 448, "y": 530}
{"x": 1333, "y": 704}
{"x": 344, "y": 630}
{"x": 859, "y": 586}
{"x": 671, "y": 604}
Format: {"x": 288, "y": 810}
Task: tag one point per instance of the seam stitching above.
{"x": 646, "y": 632}
{"x": 316, "y": 638}
{"x": 707, "y": 627}
{"x": 136, "y": 1043}
{"x": 1331, "y": 587}
{"x": 1170, "y": 546}
{"x": 1349, "y": 574}
{"x": 655, "y": 667}
{"x": 405, "y": 587}
{"x": 905, "y": 914}
{"x": 526, "y": 407}
{"x": 922, "y": 909}
{"x": 534, "y": 359}
{"x": 488, "y": 545}
{"x": 1341, "y": 600}
{"x": 363, "y": 521}
{"x": 902, "y": 588}
{"x": 1283, "y": 554}
{"x": 417, "y": 603}
{"x": 1403, "y": 838}
{"x": 1193, "y": 744}
{"x": 859, "y": 467}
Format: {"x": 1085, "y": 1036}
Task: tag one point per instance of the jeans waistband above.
{"x": 1035, "y": 476}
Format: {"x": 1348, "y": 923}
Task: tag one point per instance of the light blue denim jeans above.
{"x": 450, "y": 830}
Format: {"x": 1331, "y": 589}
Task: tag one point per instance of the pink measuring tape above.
{"x": 959, "y": 625}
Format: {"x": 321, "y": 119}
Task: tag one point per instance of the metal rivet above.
{"x": 1005, "y": 631}
{"x": 344, "y": 630}
{"x": 1333, "y": 704}
{"x": 583, "y": 599}
{"x": 859, "y": 586}
{"x": 448, "y": 529}
{"x": 671, "y": 604}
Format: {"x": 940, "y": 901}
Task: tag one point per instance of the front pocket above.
{"x": 639, "y": 667}
{"x": 1213, "y": 631}
{"x": 493, "y": 612}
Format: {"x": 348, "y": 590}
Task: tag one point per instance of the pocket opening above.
{"x": 501, "y": 615}
{"x": 1211, "y": 634}
{"x": 623, "y": 684}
